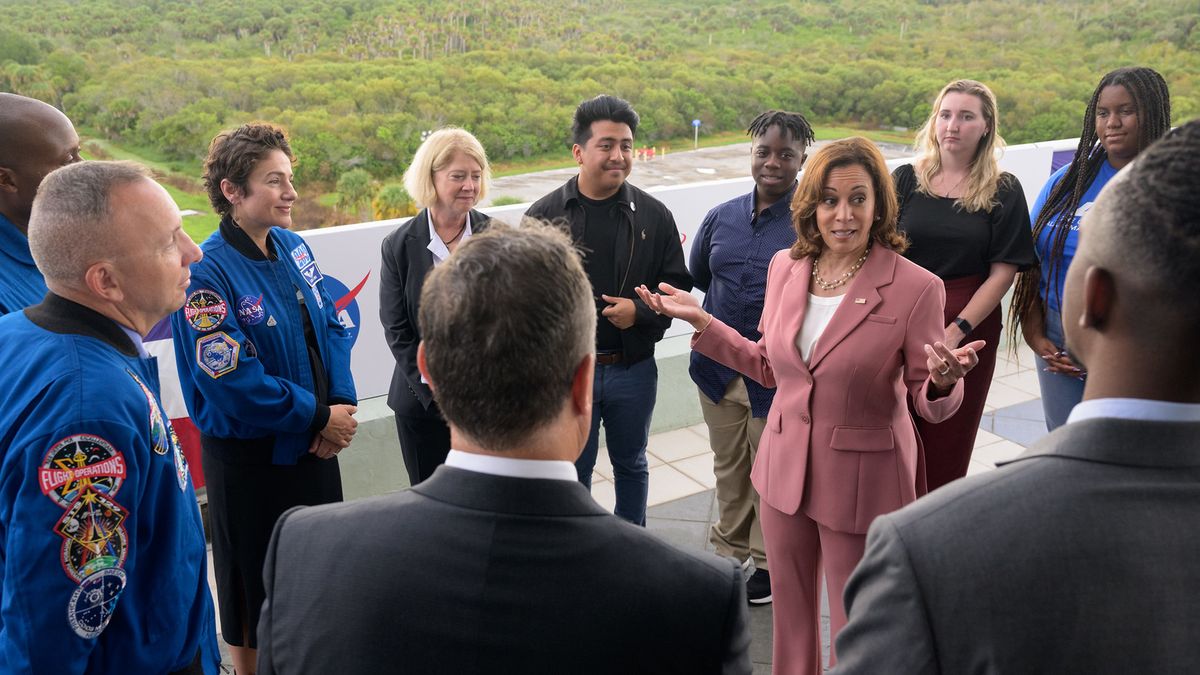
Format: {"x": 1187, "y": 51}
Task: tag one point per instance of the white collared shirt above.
{"x": 511, "y": 467}
{"x": 1135, "y": 409}
{"x": 438, "y": 247}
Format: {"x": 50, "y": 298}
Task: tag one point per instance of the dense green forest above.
{"x": 357, "y": 82}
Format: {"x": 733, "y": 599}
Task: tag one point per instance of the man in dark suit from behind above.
{"x": 1081, "y": 555}
{"x": 501, "y": 561}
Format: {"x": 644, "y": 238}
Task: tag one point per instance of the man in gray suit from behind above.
{"x": 1082, "y": 555}
{"x": 501, "y": 561}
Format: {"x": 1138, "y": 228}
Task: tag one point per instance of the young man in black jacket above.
{"x": 628, "y": 238}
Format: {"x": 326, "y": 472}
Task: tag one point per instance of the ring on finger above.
{"x": 946, "y": 371}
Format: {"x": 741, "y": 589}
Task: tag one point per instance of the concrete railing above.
{"x": 349, "y": 257}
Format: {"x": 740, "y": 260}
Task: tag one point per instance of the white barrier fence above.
{"x": 349, "y": 255}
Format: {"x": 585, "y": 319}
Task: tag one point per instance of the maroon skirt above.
{"x": 947, "y": 445}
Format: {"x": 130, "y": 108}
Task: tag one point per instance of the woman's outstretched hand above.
{"x": 676, "y": 304}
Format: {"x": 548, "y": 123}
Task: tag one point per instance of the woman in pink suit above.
{"x": 849, "y": 330}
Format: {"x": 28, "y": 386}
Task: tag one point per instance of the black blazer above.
{"x": 474, "y": 573}
{"x": 406, "y": 261}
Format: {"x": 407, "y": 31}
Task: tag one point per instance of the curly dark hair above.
{"x": 233, "y": 154}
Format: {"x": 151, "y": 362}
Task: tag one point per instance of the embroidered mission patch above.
{"x": 250, "y": 310}
{"x": 91, "y": 520}
{"x": 311, "y": 274}
{"x": 300, "y": 256}
{"x": 79, "y": 560}
{"x": 181, "y": 465}
{"x": 95, "y": 599}
{"x": 217, "y": 354}
{"x": 204, "y": 310}
{"x": 159, "y": 440}
{"x": 78, "y": 463}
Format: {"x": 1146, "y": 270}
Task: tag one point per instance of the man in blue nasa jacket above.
{"x": 104, "y": 555}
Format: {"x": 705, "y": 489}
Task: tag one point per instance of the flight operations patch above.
{"x": 217, "y": 354}
{"x": 79, "y": 463}
{"x": 204, "y": 310}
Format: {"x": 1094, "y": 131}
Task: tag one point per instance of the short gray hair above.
{"x": 71, "y": 224}
{"x": 506, "y": 321}
{"x": 435, "y": 152}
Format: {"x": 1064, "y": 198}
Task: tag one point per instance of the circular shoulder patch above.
{"x": 204, "y": 310}
{"x": 94, "y": 601}
{"x": 78, "y": 463}
{"x": 80, "y": 560}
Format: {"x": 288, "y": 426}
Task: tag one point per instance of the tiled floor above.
{"x": 683, "y": 504}
{"x": 681, "y": 461}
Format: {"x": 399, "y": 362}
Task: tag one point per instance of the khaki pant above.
{"x": 733, "y": 434}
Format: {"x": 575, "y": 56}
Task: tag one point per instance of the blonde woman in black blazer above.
{"x": 448, "y": 176}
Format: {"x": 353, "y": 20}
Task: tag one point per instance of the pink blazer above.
{"x": 839, "y": 439}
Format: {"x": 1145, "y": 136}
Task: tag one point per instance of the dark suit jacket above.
{"x": 474, "y": 573}
{"x": 406, "y": 261}
{"x": 1082, "y": 556}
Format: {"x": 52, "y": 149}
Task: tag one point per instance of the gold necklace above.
{"x": 955, "y": 186}
{"x": 840, "y": 281}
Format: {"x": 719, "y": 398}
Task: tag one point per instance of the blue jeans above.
{"x": 1060, "y": 393}
{"x": 623, "y": 398}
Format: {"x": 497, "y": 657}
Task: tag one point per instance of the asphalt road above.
{"x": 674, "y": 168}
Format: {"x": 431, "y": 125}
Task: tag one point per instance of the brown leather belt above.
{"x": 610, "y": 359}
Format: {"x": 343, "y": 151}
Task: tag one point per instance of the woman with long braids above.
{"x": 1129, "y": 110}
{"x": 968, "y": 224}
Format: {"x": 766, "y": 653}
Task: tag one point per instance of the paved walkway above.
{"x": 674, "y": 168}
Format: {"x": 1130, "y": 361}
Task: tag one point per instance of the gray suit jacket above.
{"x": 1081, "y": 556}
{"x": 473, "y": 573}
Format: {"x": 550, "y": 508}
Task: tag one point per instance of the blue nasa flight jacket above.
{"x": 104, "y": 565}
{"x": 244, "y": 363}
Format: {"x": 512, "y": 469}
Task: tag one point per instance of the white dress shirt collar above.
{"x": 511, "y": 467}
{"x": 438, "y": 247}
{"x": 1135, "y": 409}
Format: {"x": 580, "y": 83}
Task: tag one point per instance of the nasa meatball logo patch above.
{"x": 217, "y": 354}
{"x": 250, "y": 310}
{"x": 204, "y": 310}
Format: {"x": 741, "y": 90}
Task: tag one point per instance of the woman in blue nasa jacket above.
{"x": 265, "y": 369}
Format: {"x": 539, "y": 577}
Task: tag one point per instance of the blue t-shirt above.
{"x": 1052, "y": 289}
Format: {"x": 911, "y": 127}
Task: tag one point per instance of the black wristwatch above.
{"x": 963, "y": 324}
